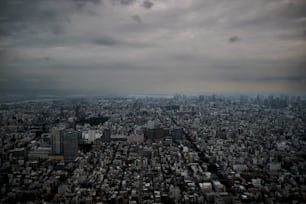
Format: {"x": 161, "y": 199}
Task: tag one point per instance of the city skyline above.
{"x": 153, "y": 46}
{"x": 201, "y": 150}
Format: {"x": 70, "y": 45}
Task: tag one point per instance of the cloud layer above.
{"x": 133, "y": 46}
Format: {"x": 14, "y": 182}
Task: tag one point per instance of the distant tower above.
{"x": 77, "y": 112}
{"x": 70, "y": 144}
{"x": 106, "y": 135}
{"x": 64, "y": 143}
{"x": 57, "y": 141}
{"x": 62, "y": 112}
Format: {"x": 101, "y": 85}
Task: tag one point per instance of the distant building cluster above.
{"x": 210, "y": 149}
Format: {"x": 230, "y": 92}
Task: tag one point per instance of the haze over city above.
{"x": 153, "y": 46}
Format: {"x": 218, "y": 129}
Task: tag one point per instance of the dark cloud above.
{"x": 106, "y": 41}
{"x": 234, "y": 39}
{"x": 88, "y": 1}
{"x": 48, "y": 14}
{"x": 125, "y": 2}
{"x": 294, "y": 9}
{"x": 4, "y": 32}
{"x": 23, "y": 11}
{"x": 80, "y": 4}
{"x": 40, "y": 9}
{"x": 280, "y": 13}
{"x": 57, "y": 30}
{"x": 135, "y": 18}
{"x": 58, "y": 36}
{"x": 30, "y": 17}
{"x": 147, "y": 4}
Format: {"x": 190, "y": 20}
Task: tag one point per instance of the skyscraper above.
{"x": 70, "y": 144}
{"x": 64, "y": 144}
{"x": 57, "y": 141}
{"x": 106, "y": 135}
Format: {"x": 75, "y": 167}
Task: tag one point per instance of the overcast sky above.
{"x": 153, "y": 46}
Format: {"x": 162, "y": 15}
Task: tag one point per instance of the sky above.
{"x": 153, "y": 46}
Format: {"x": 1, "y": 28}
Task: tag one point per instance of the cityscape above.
{"x": 153, "y": 101}
{"x": 183, "y": 149}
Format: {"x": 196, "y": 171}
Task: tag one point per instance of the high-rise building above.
{"x": 64, "y": 143}
{"x": 70, "y": 144}
{"x": 57, "y": 141}
{"x": 106, "y": 135}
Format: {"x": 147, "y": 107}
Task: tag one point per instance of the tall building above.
{"x": 106, "y": 135}
{"x": 70, "y": 144}
{"x": 57, "y": 141}
{"x": 64, "y": 143}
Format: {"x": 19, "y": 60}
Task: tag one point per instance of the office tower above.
{"x": 70, "y": 144}
{"x": 57, "y": 141}
{"x": 64, "y": 144}
{"x": 106, "y": 135}
{"x": 77, "y": 112}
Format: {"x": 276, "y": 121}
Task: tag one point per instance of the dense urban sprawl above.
{"x": 202, "y": 149}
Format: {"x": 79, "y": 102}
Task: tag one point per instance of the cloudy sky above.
{"x": 153, "y": 46}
